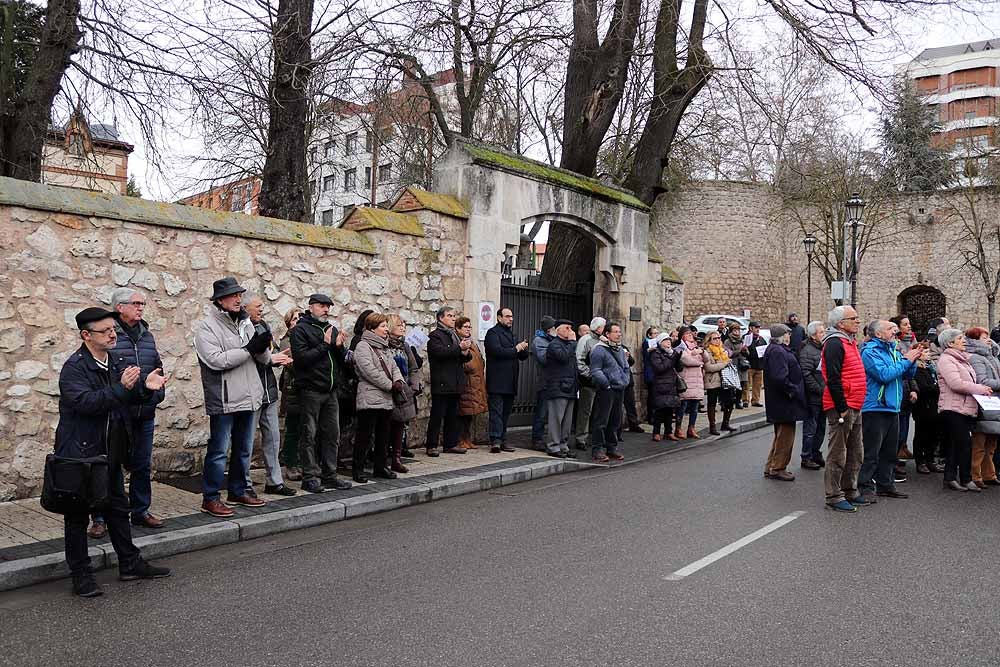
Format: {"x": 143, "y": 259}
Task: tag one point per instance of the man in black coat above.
{"x": 814, "y": 425}
{"x": 446, "y": 354}
{"x": 560, "y": 388}
{"x": 96, "y": 389}
{"x": 317, "y": 358}
{"x": 503, "y": 357}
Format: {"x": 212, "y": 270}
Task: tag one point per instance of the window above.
{"x": 368, "y": 141}
{"x": 368, "y": 176}
{"x": 329, "y": 147}
{"x": 328, "y": 217}
{"x": 351, "y": 144}
{"x": 384, "y": 173}
{"x": 315, "y": 154}
{"x": 350, "y": 178}
{"x": 328, "y": 183}
{"x": 347, "y": 211}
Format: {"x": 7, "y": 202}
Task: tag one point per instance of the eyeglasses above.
{"x": 103, "y": 332}
{"x": 137, "y": 304}
{"x": 851, "y": 319}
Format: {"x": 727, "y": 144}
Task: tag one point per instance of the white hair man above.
{"x": 813, "y": 426}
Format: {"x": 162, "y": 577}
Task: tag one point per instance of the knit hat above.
{"x": 662, "y": 337}
{"x": 597, "y": 323}
{"x": 779, "y": 330}
{"x": 547, "y": 322}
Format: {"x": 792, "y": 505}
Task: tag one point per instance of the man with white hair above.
{"x": 135, "y": 344}
{"x": 843, "y": 396}
{"x": 585, "y": 404}
{"x": 814, "y": 425}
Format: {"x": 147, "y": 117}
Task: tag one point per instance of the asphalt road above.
{"x": 569, "y": 570}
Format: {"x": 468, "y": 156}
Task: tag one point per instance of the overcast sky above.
{"x": 947, "y": 27}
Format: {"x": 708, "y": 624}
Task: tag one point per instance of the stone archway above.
{"x": 922, "y": 304}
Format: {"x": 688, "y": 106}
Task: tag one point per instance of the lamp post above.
{"x": 809, "y": 242}
{"x": 854, "y": 207}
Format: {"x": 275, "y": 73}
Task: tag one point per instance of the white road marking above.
{"x": 731, "y": 548}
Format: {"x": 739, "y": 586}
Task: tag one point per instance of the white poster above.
{"x": 988, "y": 403}
{"x": 487, "y": 318}
{"x": 761, "y": 349}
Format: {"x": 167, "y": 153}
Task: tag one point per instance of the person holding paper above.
{"x": 983, "y": 353}
{"x": 755, "y": 348}
{"x": 886, "y": 374}
{"x": 958, "y": 408}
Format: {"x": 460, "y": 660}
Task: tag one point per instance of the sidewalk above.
{"x": 31, "y": 539}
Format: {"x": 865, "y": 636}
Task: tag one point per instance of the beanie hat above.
{"x": 547, "y": 322}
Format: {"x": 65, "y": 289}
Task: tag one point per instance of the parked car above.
{"x": 706, "y": 323}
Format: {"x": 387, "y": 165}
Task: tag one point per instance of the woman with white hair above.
{"x": 958, "y": 408}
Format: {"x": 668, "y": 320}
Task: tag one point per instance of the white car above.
{"x": 707, "y": 323}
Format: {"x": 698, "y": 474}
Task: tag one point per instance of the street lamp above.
{"x": 854, "y": 207}
{"x": 809, "y": 242}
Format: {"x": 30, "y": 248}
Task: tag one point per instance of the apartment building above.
{"x": 85, "y": 156}
{"x": 961, "y": 83}
{"x": 239, "y": 196}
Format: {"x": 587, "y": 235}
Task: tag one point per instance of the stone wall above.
{"x": 64, "y": 250}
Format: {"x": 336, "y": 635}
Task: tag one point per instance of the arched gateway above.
{"x": 922, "y": 304}
{"x": 504, "y": 193}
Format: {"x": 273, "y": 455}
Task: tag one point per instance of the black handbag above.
{"x": 682, "y": 385}
{"x": 76, "y": 486}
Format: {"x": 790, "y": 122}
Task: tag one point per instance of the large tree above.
{"x": 913, "y": 162}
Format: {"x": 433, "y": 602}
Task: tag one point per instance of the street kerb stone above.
{"x": 34, "y": 570}
{"x": 457, "y": 486}
{"x": 261, "y": 525}
{"x": 515, "y": 475}
{"x": 383, "y": 501}
{"x": 180, "y": 541}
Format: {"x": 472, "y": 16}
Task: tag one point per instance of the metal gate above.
{"x": 530, "y": 303}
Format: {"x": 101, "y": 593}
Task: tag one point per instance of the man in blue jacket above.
{"x": 504, "y": 353}
{"x": 96, "y": 388}
{"x": 609, "y": 375}
{"x": 885, "y": 371}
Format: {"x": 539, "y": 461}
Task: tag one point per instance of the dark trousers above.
{"x": 373, "y": 426}
{"x": 539, "y": 419}
{"x": 140, "y": 483}
{"x": 631, "y": 412}
{"x": 880, "y": 435}
{"x": 319, "y": 434}
{"x": 605, "y": 418}
{"x": 722, "y": 396}
{"x": 444, "y": 411}
{"x": 650, "y": 409}
{"x": 662, "y": 417}
{"x": 813, "y": 432}
{"x": 904, "y": 425}
{"x": 116, "y": 518}
{"x": 500, "y": 407}
{"x": 957, "y": 431}
{"x": 289, "y": 454}
{"x": 926, "y": 426}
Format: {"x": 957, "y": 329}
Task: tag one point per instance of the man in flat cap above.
{"x": 96, "y": 390}
{"x": 228, "y": 348}
{"x": 318, "y": 357}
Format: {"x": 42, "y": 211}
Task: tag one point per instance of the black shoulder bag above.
{"x": 75, "y": 486}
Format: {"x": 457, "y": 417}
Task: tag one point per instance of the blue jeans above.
{"x": 688, "y": 407}
{"x": 539, "y": 419}
{"x": 813, "y": 432}
{"x": 239, "y": 428}
{"x": 500, "y": 407}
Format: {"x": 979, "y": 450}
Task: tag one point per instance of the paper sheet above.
{"x": 988, "y": 403}
{"x": 416, "y": 338}
{"x": 760, "y": 351}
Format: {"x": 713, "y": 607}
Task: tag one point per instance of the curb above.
{"x": 741, "y": 427}
{"x": 49, "y": 567}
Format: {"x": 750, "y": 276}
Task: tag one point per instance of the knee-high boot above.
{"x": 726, "y": 414}
{"x": 711, "y": 421}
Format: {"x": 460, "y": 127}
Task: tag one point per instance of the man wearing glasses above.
{"x": 843, "y": 397}
{"x": 136, "y": 345}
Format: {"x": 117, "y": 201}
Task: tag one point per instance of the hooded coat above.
{"x": 784, "y": 386}
{"x": 663, "y": 366}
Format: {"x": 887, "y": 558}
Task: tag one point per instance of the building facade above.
{"x": 238, "y": 196}
{"x": 85, "y": 156}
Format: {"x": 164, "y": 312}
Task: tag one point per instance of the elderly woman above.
{"x": 958, "y": 408}
{"x": 714, "y": 387}
{"x": 983, "y": 354}
{"x": 784, "y": 401}
{"x": 408, "y": 364}
{"x": 663, "y": 397}
{"x": 378, "y": 378}
{"x": 691, "y": 362}
{"x": 288, "y": 408}
{"x": 473, "y": 401}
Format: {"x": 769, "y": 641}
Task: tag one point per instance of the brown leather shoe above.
{"x": 147, "y": 520}
{"x": 781, "y": 476}
{"x": 216, "y": 508}
{"x": 97, "y": 530}
{"x": 679, "y": 434}
{"x": 904, "y": 453}
{"x": 657, "y": 438}
{"x": 671, "y": 436}
{"x": 245, "y": 500}
{"x": 692, "y": 434}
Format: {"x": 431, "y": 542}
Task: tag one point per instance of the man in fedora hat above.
{"x": 228, "y": 345}
{"x": 317, "y": 357}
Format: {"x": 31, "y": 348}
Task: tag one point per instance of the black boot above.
{"x": 726, "y": 414}
{"x": 711, "y": 422}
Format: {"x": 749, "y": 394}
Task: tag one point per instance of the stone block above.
{"x": 34, "y": 570}
{"x": 261, "y": 525}
{"x": 46, "y": 242}
{"x": 131, "y": 248}
{"x": 385, "y": 500}
{"x": 180, "y": 541}
{"x": 515, "y": 475}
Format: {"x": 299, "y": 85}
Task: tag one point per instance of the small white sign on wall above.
{"x": 487, "y": 317}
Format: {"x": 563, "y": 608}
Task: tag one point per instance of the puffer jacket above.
{"x": 843, "y": 373}
{"x": 663, "y": 364}
{"x": 473, "y": 399}
{"x": 928, "y": 391}
{"x": 266, "y": 371}
{"x": 138, "y": 347}
{"x": 691, "y": 364}
{"x": 957, "y": 381}
{"x": 319, "y": 366}
{"x": 608, "y": 368}
{"x": 713, "y": 370}
{"x": 229, "y": 374}
{"x": 584, "y": 348}
{"x": 539, "y": 345}
{"x": 372, "y": 358}
{"x": 886, "y": 374}
{"x": 810, "y": 355}
{"x": 984, "y": 361}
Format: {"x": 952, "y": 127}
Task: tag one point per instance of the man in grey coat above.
{"x": 585, "y": 404}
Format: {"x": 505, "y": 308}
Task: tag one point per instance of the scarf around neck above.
{"x": 718, "y": 352}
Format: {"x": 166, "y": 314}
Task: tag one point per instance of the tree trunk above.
{"x": 673, "y": 91}
{"x": 23, "y": 125}
{"x": 283, "y": 190}
{"x": 573, "y": 261}
{"x": 991, "y": 309}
